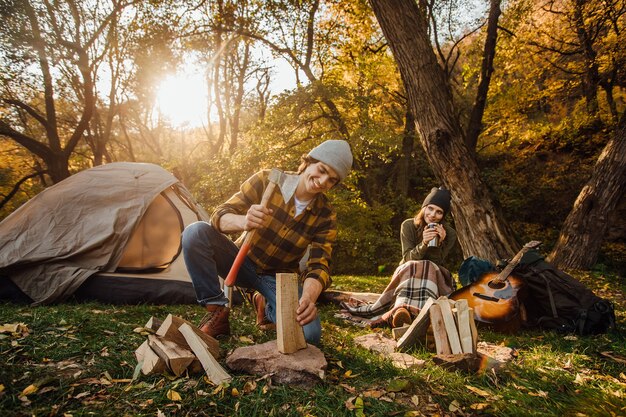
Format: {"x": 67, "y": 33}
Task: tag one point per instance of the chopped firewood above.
{"x": 398, "y": 332}
{"x": 195, "y": 367}
{"x": 473, "y": 328}
{"x": 289, "y": 334}
{"x": 169, "y": 331}
{"x": 151, "y": 363}
{"x": 451, "y": 329}
{"x": 462, "y": 315}
{"x": 176, "y": 357}
{"x": 417, "y": 330}
{"x": 439, "y": 330}
{"x": 153, "y": 324}
{"x": 213, "y": 369}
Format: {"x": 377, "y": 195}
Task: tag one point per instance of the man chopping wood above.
{"x": 282, "y": 216}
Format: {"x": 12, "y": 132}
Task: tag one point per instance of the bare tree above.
{"x": 65, "y": 41}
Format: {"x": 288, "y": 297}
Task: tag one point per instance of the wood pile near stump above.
{"x": 450, "y": 322}
{"x": 178, "y": 346}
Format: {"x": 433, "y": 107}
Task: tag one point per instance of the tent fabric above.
{"x": 80, "y": 227}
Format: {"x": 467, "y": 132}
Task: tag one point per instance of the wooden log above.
{"x": 176, "y": 357}
{"x": 462, "y": 316}
{"x": 474, "y": 329}
{"x": 398, "y": 332}
{"x": 213, "y": 369}
{"x": 289, "y": 334}
{"x": 451, "y": 329}
{"x": 151, "y": 363}
{"x": 439, "y": 330}
{"x": 153, "y": 324}
{"x": 169, "y": 331}
{"x": 416, "y": 332}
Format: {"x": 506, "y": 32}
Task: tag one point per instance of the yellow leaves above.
{"x": 1, "y": 387}
{"x": 246, "y": 339}
{"x": 398, "y": 385}
{"x": 16, "y": 330}
{"x": 478, "y": 391}
{"x": 539, "y": 393}
{"x": 349, "y": 374}
{"x": 31, "y": 389}
{"x": 173, "y": 395}
{"x": 249, "y": 386}
{"x": 454, "y": 406}
{"x": 355, "y": 404}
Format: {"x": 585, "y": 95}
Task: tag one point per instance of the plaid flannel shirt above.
{"x": 280, "y": 245}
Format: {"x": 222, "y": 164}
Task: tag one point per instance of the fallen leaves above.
{"x": 173, "y": 395}
{"x": 15, "y": 330}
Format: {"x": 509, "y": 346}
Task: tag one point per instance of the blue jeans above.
{"x": 209, "y": 254}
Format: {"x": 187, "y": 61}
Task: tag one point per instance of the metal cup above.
{"x": 434, "y": 242}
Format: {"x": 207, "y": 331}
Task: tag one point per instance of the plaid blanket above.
{"x": 411, "y": 285}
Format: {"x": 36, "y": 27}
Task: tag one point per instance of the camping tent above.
{"x": 110, "y": 233}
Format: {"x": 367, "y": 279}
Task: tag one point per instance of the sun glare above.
{"x": 182, "y": 99}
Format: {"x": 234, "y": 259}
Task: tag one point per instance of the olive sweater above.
{"x": 413, "y": 248}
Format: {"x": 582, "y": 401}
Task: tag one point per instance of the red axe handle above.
{"x": 245, "y": 247}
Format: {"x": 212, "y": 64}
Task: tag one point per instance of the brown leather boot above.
{"x": 258, "y": 301}
{"x": 401, "y": 317}
{"x": 215, "y": 321}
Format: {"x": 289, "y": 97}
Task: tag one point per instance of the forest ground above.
{"x": 78, "y": 359}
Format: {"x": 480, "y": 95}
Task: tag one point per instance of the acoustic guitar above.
{"x": 496, "y": 297}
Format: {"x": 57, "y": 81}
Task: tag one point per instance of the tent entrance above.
{"x": 155, "y": 243}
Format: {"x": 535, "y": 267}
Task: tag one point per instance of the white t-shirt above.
{"x": 300, "y": 205}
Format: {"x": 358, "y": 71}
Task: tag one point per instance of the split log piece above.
{"x": 152, "y": 363}
{"x": 416, "y": 332}
{"x": 289, "y": 334}
{"x": 451, "y": 329}
{"x": 462, "y": 316}
{"x": 439, "y": 330}
{"x": 153, "y": 324}
{"x": 213, "y": 369}
{"x": 169, "y": 331}
{"x": 176, "y": 357}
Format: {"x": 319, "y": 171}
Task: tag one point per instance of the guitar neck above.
{"x": 504, "y": 274}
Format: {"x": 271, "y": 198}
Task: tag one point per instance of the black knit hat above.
{"x": 439, "y": 197}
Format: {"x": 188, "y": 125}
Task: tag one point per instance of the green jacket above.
{"x": 414, "y": 250}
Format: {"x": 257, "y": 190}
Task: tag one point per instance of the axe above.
{"x": 287, "y": 185}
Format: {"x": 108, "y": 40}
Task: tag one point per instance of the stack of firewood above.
{"x": 450, "y": 322}
{"x": 175, "y": 345}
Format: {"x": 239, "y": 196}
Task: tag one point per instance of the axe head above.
{"x": 287, "y": 183}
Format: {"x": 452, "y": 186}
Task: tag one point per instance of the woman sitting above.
{"x": 426, "y": 243}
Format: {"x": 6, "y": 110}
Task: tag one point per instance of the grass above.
{"x": 78, "y": 360}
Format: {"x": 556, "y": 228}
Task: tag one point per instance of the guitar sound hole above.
{"x": 496, "y": 285}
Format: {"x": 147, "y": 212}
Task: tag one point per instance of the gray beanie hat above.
{"x": 439, "y": 197}
{"x": 336, "y": 154}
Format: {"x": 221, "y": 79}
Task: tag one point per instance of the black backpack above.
{"x": 556, "y": 300}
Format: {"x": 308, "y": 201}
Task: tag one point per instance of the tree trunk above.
{"x": 483, "y": 231}
{"x": 475, "y": 125}
{"x": 402, "y": 184}
{"x": 586, "y": 225}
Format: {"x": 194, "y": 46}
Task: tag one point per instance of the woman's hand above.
{"x": 441, "y": 231}
{"x": 431, "y": 233}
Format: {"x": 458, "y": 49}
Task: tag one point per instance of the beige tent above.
{"x": 110, "y": 233}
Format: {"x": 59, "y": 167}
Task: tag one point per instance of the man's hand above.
{"x": 256, "y": 217}
{"x": 307, "y": 310}
{"x": 253, "y": 219}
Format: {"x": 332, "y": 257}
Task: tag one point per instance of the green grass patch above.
{"x": 78, "y": 359}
